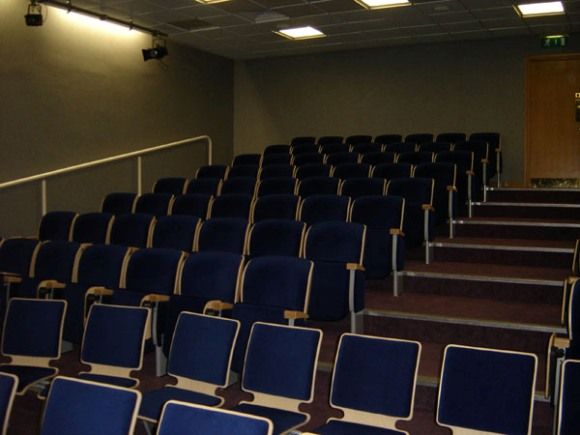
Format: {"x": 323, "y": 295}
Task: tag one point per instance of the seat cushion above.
{"x": 28, "y": 375}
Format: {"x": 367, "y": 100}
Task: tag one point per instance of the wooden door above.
{"x": 552, "y": 130}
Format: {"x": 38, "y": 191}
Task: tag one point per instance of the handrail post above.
{"x": 139, "y": 175}
{"x": 44, "y": 196}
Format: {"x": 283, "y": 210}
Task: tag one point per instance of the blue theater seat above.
{"x": 324, "y": 208}
{"x": 246, "y": 171}
{"x": 373, "y": 384}
{"x": 188, "y": 419}
{"x": 199, "y": 360}
{"x": 76, "y": 406}
{"x": 357, "y": 187}
{"x": 56, "y": 225}
{"x": 276, "y": 186}
{"x": 251, "y": 159}
{"x": 230, "y": 206}
{"x": 318, "y": 186}
{"x": 376, "y": 158}
{"x": 222, "y": 234}
{"x": 119, "y": 203}
{"x": 280, "y": 364}
{"x": 204, "y": 186}
{"x": 192, "y": 204}
{"x": 239, "y": 185}
{"x": 175, "y": 232}
{"x": 419, "y": 138}
{"x": 276, "y": 149}
{"x": 487, "y": 390}
{"x": 390, "y": 171}
{"x": 134, "y": 230}
{"x": 351, "y": 170}
{"x": 8, "y": 385}
{"x": 212, "y": 171}
{"x": 385, "y": 139}
{"x": 276, "y": 237}
{"x": 569, "y": 401}
{"x": 275, "y": 171}
{"x": 156, "y": 204}
{"x": 31, "y": 338}
{"x": 171, "y": 185}
{"x": 340, "y": 158}
{"x": 299, "y": 140}
{"x": 92, "y": 227}
{"x": 313, "y": 170}
{"x": 274, "y": 207}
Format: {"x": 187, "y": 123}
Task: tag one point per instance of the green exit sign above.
{"x": 554, "y": 41}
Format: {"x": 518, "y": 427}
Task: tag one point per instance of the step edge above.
{"x": 516, "y": 223}
{"x": 485, "y": 278}
{"x": 525, "y": 204}
{"x": 496, "y": 324}
{"x": 503, "y": 247}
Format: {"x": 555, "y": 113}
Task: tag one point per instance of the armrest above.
{"x": 10, "y": 278}
{"x": 100, "y": 291}
{"x": 290, "y": 314}
{"x": 470, "y": 173}
{"x": 561, "y": 342}
{"x": 51, "y": 284}
{"x": 451, "y": 189}
{"x": 218, "y": 306}
{"x": 427, "y": 207}
{"x": 396, "y": 232}
{"x": 354, "y": 266}
{"x": 485, "y": 161}
{"x": 154, "y": 298}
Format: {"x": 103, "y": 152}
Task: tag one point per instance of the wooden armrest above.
{"x": 486, "y": 161}
{"x": 427, "y": 207}
{"x": 354, "y": 266}
{"x": 10, "y": 278}
{"x": 396, "y": 232}
{"x": 451, "y": 189}
{"x": 100, "y": 291}
{"x": 561, "y": 342}
{"x": 470, "y": 173}
{"x": 154, "y": 298}
{"x": 216, "y": 305}
{"x": 51, "y": 284}
{"x": 290, "y": 314}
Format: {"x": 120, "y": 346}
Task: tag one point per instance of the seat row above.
{"x": 373, "y": 380}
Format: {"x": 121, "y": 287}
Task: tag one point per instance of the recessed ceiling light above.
{"x": 307, "y": 32}
{"x": 381, "y": 4}
{"x": 540, "y": 9}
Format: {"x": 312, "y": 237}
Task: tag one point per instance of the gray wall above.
{"x": 465, "y": 86}
{"x": 72, "y": 93}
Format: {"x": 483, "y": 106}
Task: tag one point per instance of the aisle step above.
{"x": 570, "y": 196}
{"x": 505, "y": 228}
{"x": 527, "y": 210}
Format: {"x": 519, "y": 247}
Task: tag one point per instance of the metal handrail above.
{"x": 138, "y": 154}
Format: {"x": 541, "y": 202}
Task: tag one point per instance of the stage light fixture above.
{"x": 33, "y": 15}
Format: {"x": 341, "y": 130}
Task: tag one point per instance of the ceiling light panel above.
{"x": 296, "y": 33}
{"x": 528, "y": 10}
{"x": 381, "y": 4}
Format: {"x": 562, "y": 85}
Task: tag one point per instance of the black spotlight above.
{"x": 34, "y": 15}
{"x": 157, "y": 52}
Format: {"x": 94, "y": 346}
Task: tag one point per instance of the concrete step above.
{"x": 543, "y": 210}
{"x": 570, "y": 196}
{"x": 517, "y": 252}
{"x": 510, "y": 228}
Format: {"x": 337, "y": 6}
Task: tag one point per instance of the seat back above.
{"x": 101, "y": 265}
{"x": 202, "y": 349}
{"x": 92, "y": 227}
{"x": 400, "y": 147}
{"x": 390, "y": 171}
{"x": 323, "y": 208}
{"x": 211, "y": 276}
{"x": 76, "y": 406}
{"x": 133, "y": 230}
{"x": 230, "y": 206}
{"x": 175, "y": 232}
{"x": 222, "y": 234}
{"x": 281, "y": 361}
{"x": 334, "y": 148}
{"x": 189, "y": 419}
{"x": 340, "y": 242}
{"x": 16, "y": 254}
{"x": 274, "y": 207}
{"x": 247, "y": 159}
{"x": 171, "y": 185}
{"x": 435, "y": 147}
{"x": 313, "y": 170}
{"x": 569, "y": 401}
{"x": 33, "y": 330}
{"x": 8, "y": 385}
{"x": 487, "y": 390}
{"x": 276, "y": 186}
{"x": 376, "y": 158}
{"x": 303, "y": 148}
{"x": 276, "y": 237}
{"x": 574, "y": 321}
{"x": 114, "y": 339}
{"x": 156, "y": 204}
{"x": 358, "y": 138}
{"x": 307, "y": 159}
{"x": 249, "y": 171}
{"x": 351, "y": 170}
{"x": 276, "y": 149}
{"x": 416, "y": 157}
{"x": 277, "y": 281}
{"x": 56, "y": 225}
{"x": 492, "y": 138}
{"x": 375, "y": 377}
{"x": 153, "y": 270}
{"x": 298, "y": 140}
{"x": 275, "y": 159}
{"x": 416, "y": 191}
{"x": 419, "y": 138}
{"x": 366, "y": 147}
{"x": 53, "y": 260}
{"x": 450, "y": 137}
{"x": 212, "y": 171}
{"x": 318, "y": 186}
{"x": 276, "y": 170}
{"x": 330, "y": 139}
{"x": 340, "y": 158}
{"x": 385, "y": 139}
{"x": 119, "y": 203}
{"x": 192, "y": 204}
{"x": 575, "y": 260}
{"x": 204, "y": 186}
{"x": 238, "y": 185}
{"x": 357, "y": 187}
